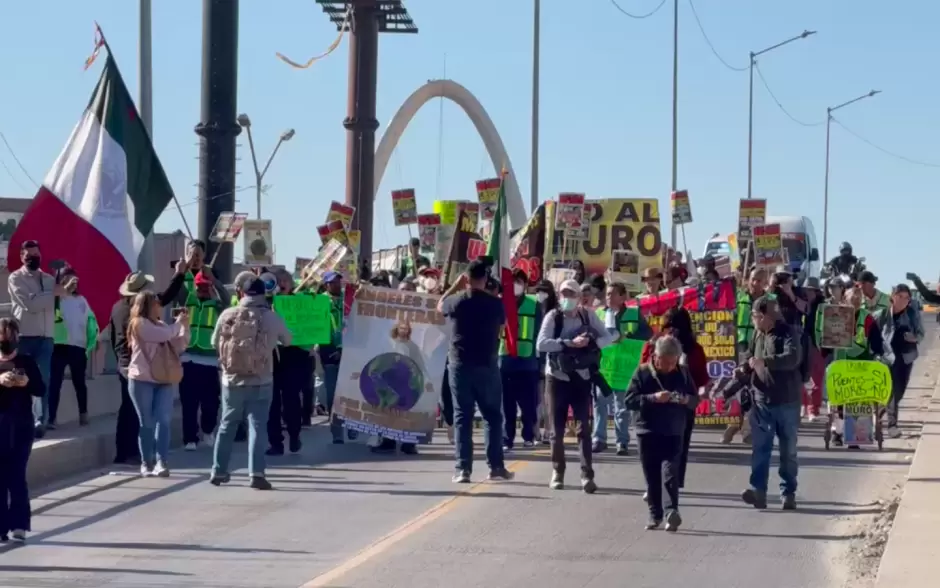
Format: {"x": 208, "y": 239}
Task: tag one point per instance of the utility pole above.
{"x": 536, "y": 50}
{"x": 675, "y": 111}
{"x": 217, "y": 128}
{"x": 145, "y": 261}
{"x": 366, "y": 20}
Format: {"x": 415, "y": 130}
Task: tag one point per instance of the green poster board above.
{"x": 307, "y": 317}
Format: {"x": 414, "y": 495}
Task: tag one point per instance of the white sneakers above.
{"x": 557, "y": 482}
{"x": 160, "y": 470}
{"x": 18, "y": 535}
{"x": 190, "y": 447}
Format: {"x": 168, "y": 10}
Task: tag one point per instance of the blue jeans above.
{"x": 482, "y": 386}
{"x": 330, "y": 375}
{"x": 237, "y": 403}
{"x": 767, "y": 422}
{"x": 154, "y": 405}
{"x": 40, "y": 349}
{"x": 602, "y": 406}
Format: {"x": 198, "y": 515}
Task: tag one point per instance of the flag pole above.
{"x": 145, "y": 261}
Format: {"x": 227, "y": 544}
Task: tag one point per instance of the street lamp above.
{"x": 287, "y": 135}
{"x": 829, "y": 112}
{"x": 750, "y": 102}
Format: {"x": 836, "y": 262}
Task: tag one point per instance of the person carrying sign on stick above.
{"x": 756, "y": 284}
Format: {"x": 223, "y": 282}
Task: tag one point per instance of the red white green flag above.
{"x": 499, "y": 250}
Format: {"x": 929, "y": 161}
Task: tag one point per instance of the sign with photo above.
{"x": 259, "y": 246}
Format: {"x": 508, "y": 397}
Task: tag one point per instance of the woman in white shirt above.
{"x": 75, "y": 333}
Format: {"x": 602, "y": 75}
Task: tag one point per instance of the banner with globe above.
{"x": 394, "y": 349}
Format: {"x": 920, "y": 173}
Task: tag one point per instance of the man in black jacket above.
{"x": 773, "y": 372}
{"x": 126, "y": 450}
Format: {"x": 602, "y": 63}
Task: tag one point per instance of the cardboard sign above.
{"x": 751, "y": 213}
{"x": 488, "y": 198}
{"x": 681, "y": 209}
{"x": 259, "y": 246}
{"x": 404, "y": 207}
{"x": 228, "y": 227}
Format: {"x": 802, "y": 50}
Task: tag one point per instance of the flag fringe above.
{"x": 99, "y": 43}
{"x": 333, "y": 46}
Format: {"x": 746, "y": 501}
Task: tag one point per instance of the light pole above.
{"x": 829, "y": 112}
{"x": 675, "y": 110}
{"x": 287, "y": 135}
{"x": 536, "y": 48}
{"x": 750, "y": 102}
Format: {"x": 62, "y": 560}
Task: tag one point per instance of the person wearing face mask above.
{"x": 663, "y": 396}
{"x": 755, "y": 289}
{"x": 76, "y": 335}
{"x": 20, "y": 382}
{"x": 902, "y": 330}
{"x": 618, "y": 362}
{"x": 429, "y": 280}
{"x": 33, "y": 293}
{"x": 520, "y": 374}
{"x": 572, "y": 337}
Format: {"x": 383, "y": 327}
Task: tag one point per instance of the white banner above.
{"x": 394, "y": 349}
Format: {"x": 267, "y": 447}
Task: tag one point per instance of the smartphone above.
{"x": 178, "y": 310}
{"x": 910, "y": 276}
{"x": 20, "y": 373}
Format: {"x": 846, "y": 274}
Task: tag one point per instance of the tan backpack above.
{"x": 244, "y": 349}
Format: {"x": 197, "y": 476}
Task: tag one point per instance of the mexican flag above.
{"x": 499, "y": 249}
{"x": 100, "y": 199}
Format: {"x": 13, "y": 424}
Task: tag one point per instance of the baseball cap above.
{"x": 331, "y": 276}
{"x": 569, "y": 286}
{"x": 255, "y": 287}
{"x": 867, "y": 277}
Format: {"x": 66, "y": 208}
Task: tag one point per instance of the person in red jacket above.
{"x": 678, "y": 323}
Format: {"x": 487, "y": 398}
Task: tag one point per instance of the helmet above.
{"x": 846, "y": 247}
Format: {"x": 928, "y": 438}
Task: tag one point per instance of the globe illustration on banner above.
{"x": 391, "y": 380}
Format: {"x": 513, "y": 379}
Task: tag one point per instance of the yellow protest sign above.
{"x": 850, "y": 381}
{"x": 307, "y": 317}
{"x": 448, "y": 211}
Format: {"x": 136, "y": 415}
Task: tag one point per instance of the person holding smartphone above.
{"x": 20, "y": 382}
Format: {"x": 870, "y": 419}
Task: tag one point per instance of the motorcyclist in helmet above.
{"x": 845, "y": 262}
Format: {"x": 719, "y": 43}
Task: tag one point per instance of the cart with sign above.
{"x": 861, "y": 389}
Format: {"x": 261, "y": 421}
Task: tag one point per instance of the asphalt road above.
{"x": 342, "y": 517}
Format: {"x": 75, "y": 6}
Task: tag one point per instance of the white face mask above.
{"x": 568, "y": 304}
{"x": 430, "y": 284}
{"x": 542, "y": 296}
{"x": 518, "y": 288}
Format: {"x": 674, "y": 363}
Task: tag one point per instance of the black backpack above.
{"x": 570, "y": 359}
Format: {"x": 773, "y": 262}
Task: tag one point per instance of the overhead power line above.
{"x": 13, "y": 177}
{"x": 637, "y": 16}
{"x": 883, "y": 150}
{"x": 773, "y": 96}
{"x": 17, "y": 160}
{"x": 709, "y": 42}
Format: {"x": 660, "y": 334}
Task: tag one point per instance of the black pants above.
{"x": 686, "y": 442}
{"x": 289, "y": 373}
{"x": 660, "y": 456}
{"x": 16, "y": 442}
{"x": 128, "y": 425}
{"x": 520, "y": 389}
{"x": 447, "y": 400}
{"x": 900, "y": 377}
{"x": 74, "y": 358}
{"x": 200, "y": 397}
{"x": 575, "y": 394}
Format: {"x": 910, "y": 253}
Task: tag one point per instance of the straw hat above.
{"x": 134, "y": 283}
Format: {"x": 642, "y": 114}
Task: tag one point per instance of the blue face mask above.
{"x": 567, "y": 304}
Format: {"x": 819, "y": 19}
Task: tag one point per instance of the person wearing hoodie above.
{"x": 76, "y": 336}
{"x": 772, "y": 364}
{"x": 245, "y": 337}
{"x": 902, "y": 330}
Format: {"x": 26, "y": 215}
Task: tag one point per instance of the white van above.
{"x": 799, "y": 239}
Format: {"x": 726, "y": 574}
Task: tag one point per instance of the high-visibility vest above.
{"x": 620, "y": 360}
{"x": 525, "y": 333}
{"x": 336, "y": 320}
{"x": 190, "y": 285}
{"x": 879, "y": 303}
{"x": 743, "y": 320}
{"x": 203, "y": 315}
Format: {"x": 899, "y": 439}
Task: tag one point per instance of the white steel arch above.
{"x": 481, "y": 120}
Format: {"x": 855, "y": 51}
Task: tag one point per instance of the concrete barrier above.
{"x": 913, "y": 547}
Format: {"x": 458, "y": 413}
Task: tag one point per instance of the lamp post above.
{"x": 287, "y": 135}
{"x": 829, "y": 112}
{"x": 750, "y": 101}
{"x": 675, "y": 110}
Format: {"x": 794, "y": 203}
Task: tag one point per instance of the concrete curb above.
{"x": 913, "y": 548}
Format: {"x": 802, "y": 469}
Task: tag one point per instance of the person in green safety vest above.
{"x": 876, "y": 301}
{"x": 195, "y": 262}
{"x": 756, "y": 285}
{"x": 330, "y": 355}
{"x": 414, "y": 260}
{"x": 200, "y": 388}
{"x": 618, "y": 363}
{"x": 520, "y": 374}
{"x": 75, "y": 334}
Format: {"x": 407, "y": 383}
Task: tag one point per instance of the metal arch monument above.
{"x": 481, "y": 120}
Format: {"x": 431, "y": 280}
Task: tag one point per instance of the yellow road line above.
{"x": 405, "y": 531}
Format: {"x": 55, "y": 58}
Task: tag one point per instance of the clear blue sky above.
{"x": 606, "y": 111}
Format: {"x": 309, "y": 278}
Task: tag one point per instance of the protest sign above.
{"x": 404, "y": 207}
{"x": 341, "y": 212}
{"x": 353, "y": 238}
{"x": 228, "y": 226}
{"x": 307, "y": 317}
{"x": 427, "y": 231}
{"x": 473, "y": 212}
{"x": 858, "y": 424}
{"x": 568, "y": 211}
{"x": 299, "y": 264}
{"x": 488, "y": 198}
{"x": 557, "y": 275}
{"x": 838, "y": 326}
{"x": 751, "y": 213}
{"x": 625, "y": 268}
{"x": 394, "y": 350}
{"x": 327, "y": 259}
{"x": 466, "y": 246}
{"x": 768, "y": 246}
{"x": 447, "y": 209}
{"x": 681, "y": 209}
{"x": 850, "y": 381}
{"x": 527, "y": 247}
{"x": 258, "y": 245}
{"x": 582, "y": 231}
{"x": 333, "y": 230}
